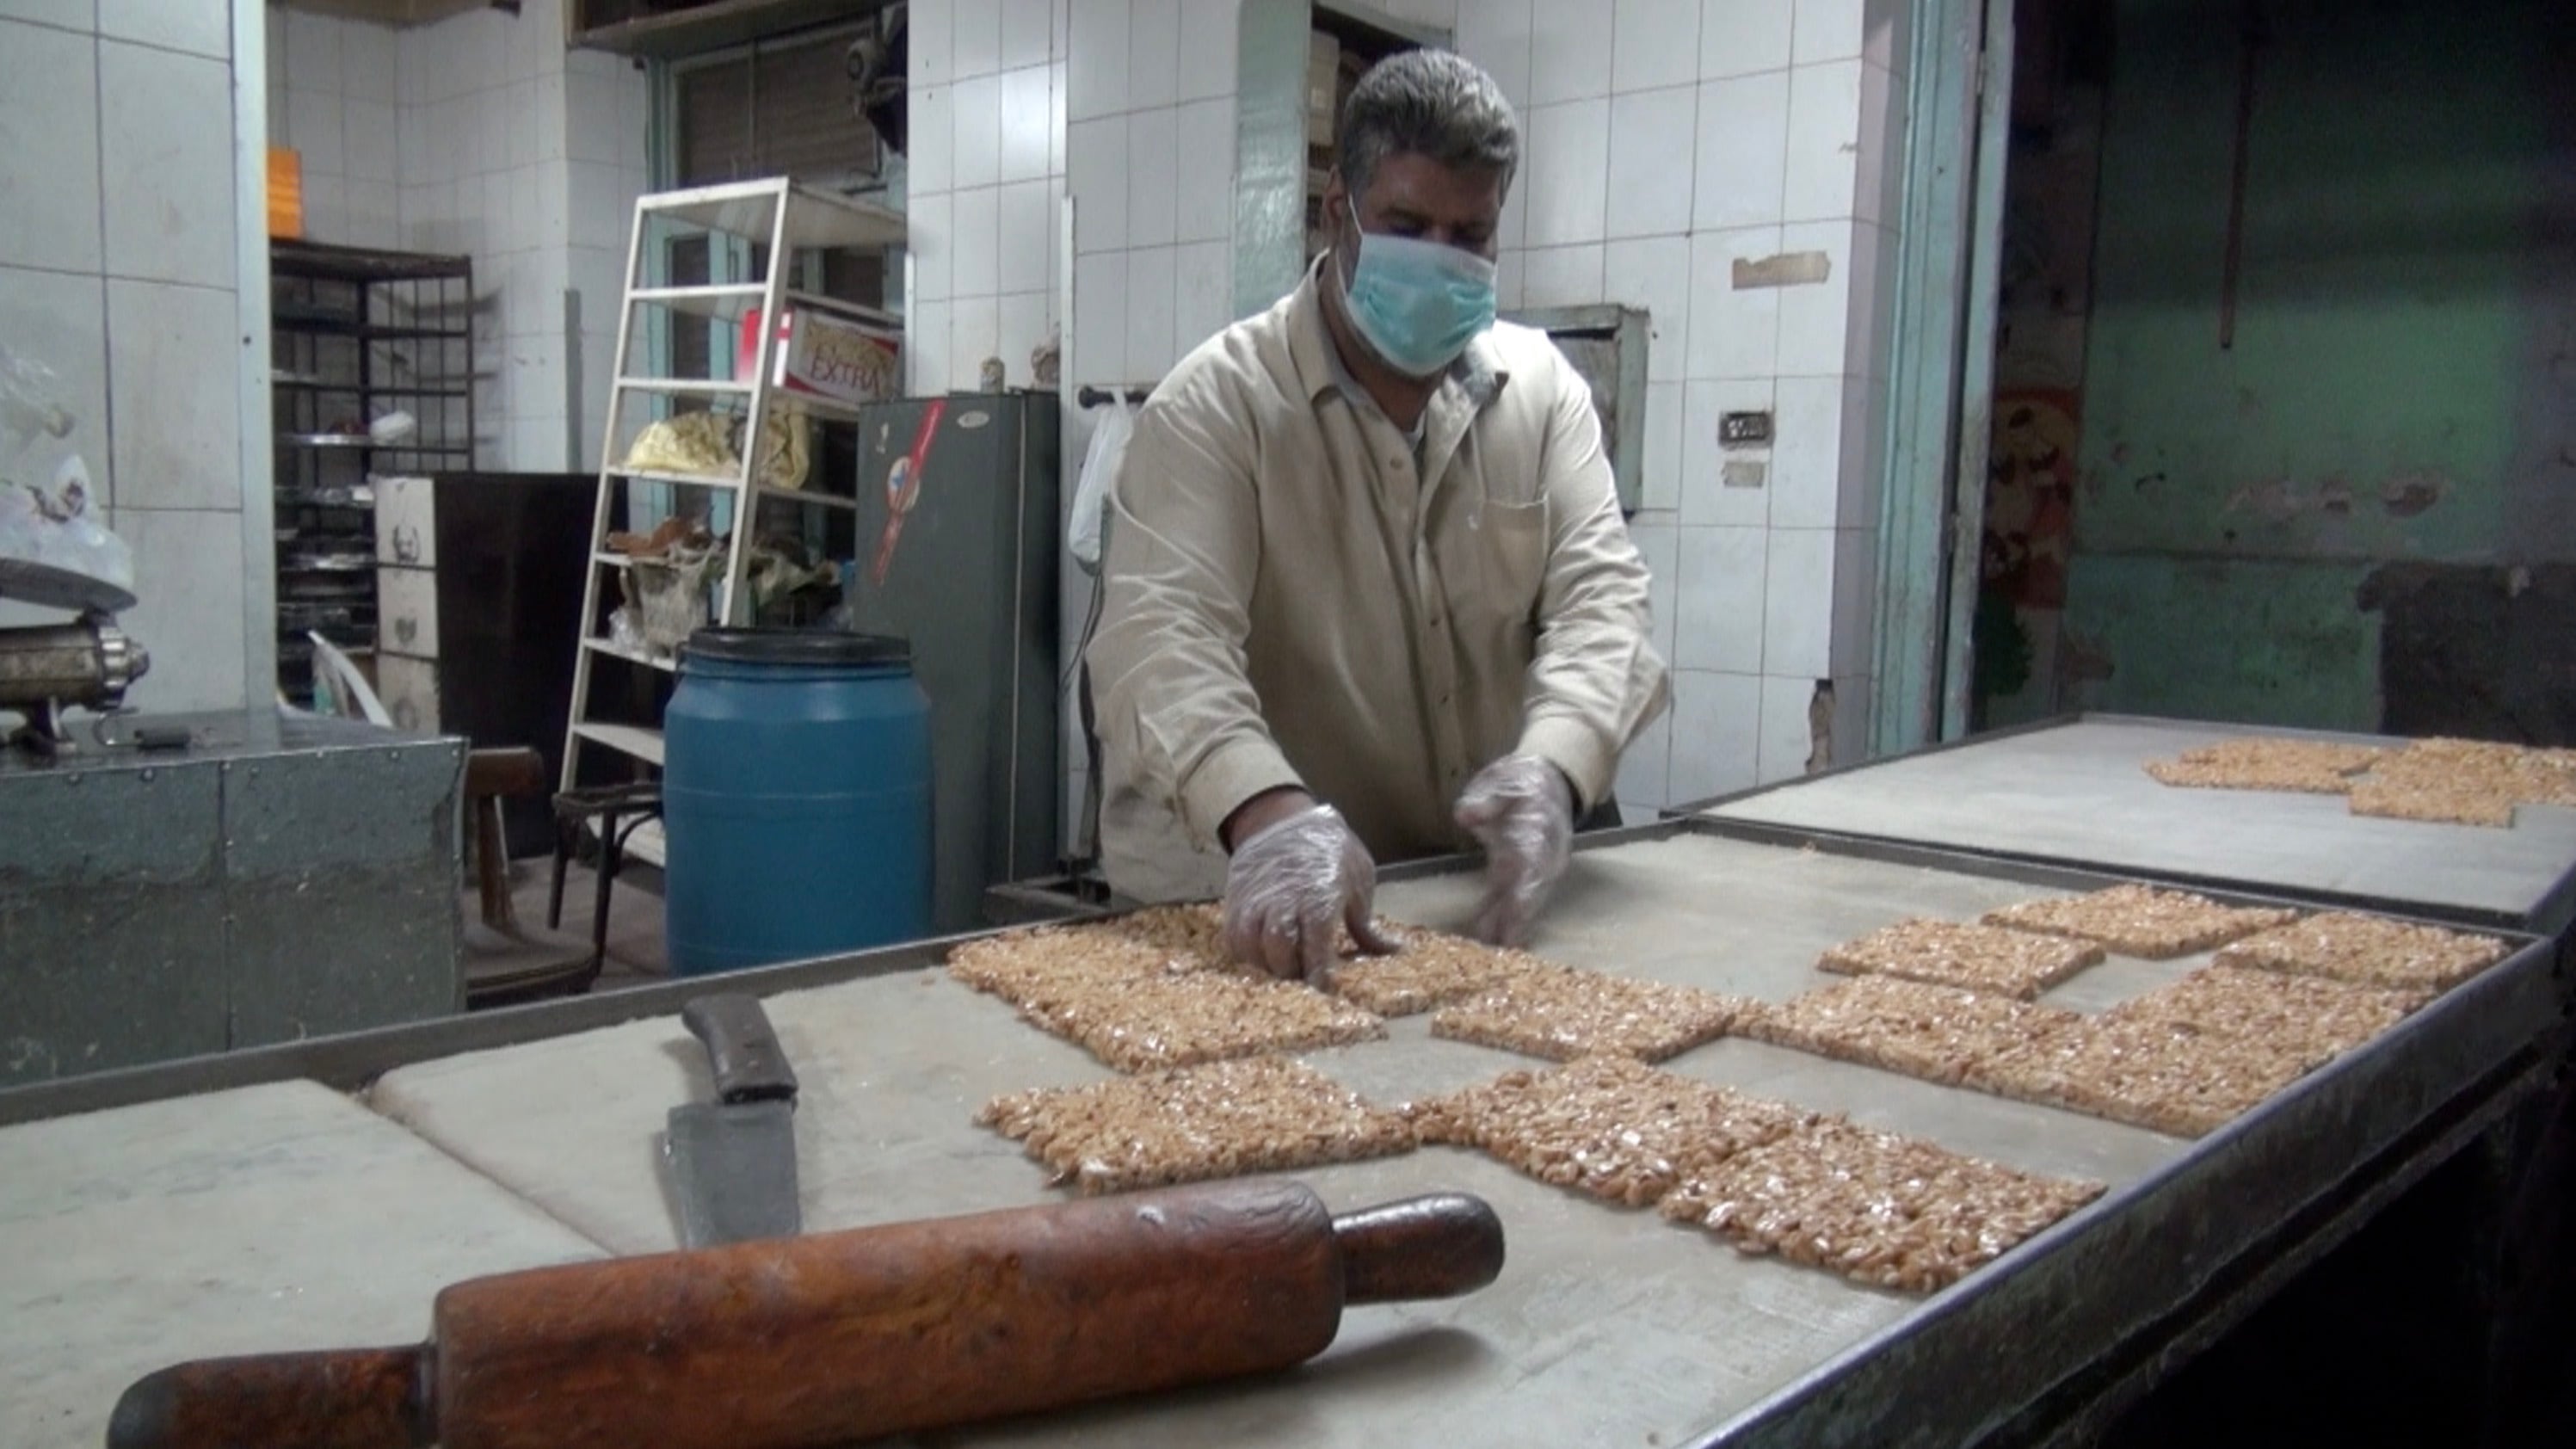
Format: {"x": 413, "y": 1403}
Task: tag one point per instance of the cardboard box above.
{"x": 818, "y": 355}
{"x": 1323, "y": 88}
{"x": 285, "y": 193}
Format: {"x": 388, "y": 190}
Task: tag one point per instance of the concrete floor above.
{"x": 636, "y": 956}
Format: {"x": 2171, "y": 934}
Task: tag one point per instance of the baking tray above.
{"x": 2075, "y": 792}
{"x": 1604, "y": 1326}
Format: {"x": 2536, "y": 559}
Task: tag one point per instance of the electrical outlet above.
{"x": 1744, "y": 428}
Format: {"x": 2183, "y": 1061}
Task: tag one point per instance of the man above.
{"x": 1369, "y": 595}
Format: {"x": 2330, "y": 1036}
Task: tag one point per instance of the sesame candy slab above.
{"x": 2263, "y": 763}
{"x": 1877, "y": 1208}
{"x": 2136, "y": 920}
{"x": 1936, "y": 1033}
{"x": 1970, "y": 957}
{"x": 2162, "y": 1075}
{"x": 1561, "y": 1013}
{"x": 2313, "y": 1014}
{"x": 2369, "y": 951}
{"x": 1608, "y": 1126}
{"x": 1224, "y": 1119}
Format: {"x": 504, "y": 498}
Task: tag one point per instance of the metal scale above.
{"x": 47, "y": 669}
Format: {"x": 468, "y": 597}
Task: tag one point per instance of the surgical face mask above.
{"x": 1417, "y": 303}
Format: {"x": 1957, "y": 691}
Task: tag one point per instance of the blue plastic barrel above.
{"x": 795, "y": 798}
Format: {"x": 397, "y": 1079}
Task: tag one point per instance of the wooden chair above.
{"x": 505, "y": 963}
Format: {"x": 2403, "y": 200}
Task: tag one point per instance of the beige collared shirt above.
{"x": 1296, "y": 596}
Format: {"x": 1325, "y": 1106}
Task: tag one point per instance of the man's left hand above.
{"x": 1521, "y": 809}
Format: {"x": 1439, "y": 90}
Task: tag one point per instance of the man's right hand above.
{"x": 1294, "y": 881}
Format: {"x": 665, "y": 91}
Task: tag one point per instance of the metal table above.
{"x": 1609, "y": 1325}
{"x": 2075, "y": 792}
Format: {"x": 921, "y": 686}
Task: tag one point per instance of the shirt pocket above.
{"x": 1495, "y": 586}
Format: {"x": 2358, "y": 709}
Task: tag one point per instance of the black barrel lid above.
{"x": 815, "y": 648}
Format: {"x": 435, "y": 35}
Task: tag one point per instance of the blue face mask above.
{"x": 1418, "y": 303}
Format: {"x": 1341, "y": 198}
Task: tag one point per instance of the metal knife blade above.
{"x": 732, "y": 1162}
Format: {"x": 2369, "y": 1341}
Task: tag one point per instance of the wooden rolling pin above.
{"x": 821, "y": 1340}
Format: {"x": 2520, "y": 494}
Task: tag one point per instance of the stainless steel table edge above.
{"x": 2552, "y": 915}
{"x": 2134, "y": 1279}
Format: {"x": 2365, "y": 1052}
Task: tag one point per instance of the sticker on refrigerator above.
{"x": 903, "y": 488}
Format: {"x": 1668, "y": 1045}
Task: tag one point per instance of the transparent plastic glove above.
{"x": 1291, "y": 886}
{"x": 1522, "y": 811}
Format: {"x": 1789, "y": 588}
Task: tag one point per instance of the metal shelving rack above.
{"x": 774, "y": 235}
{"x": 359, "y": 334}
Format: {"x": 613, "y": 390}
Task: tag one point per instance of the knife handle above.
{"x": 360, "y": 1398}
{"x": 1436, "y": 1246}
{"x": 743, "y": 1052}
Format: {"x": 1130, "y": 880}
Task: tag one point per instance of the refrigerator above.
{"x": 957, "y": 550}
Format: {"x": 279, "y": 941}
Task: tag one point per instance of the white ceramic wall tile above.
{"x": 1660, "y": 482}
{"x": 1568, "y": 172}
{"x": 370, "y": 60}
{"x": 1815, "y": 317}
{"x": 1707, "y": 498}
{"x": 60, "y": 321}
{"x": 174, "y": 370}
{"x": 1512, "y": 228}
{"x": 930, "y": 46}
{"x": 374, "y": 214}
{"x": 1740, "y": 37}
{"x": 1742, "y": 156}
{"x": 52, "y": 75}
{"x": 518, "y": 123}
{"x": 1096, "y": 173}
{"x": 1888, "y": 34}
{"x": 1100, "y": 313}
{"x": 1204, "y": 171}
{"x": 1153, "y": 190}
{"x": 1719, "y": 599}
{"x": 1096, "y": 64}
{"x": 313, "y": 129}
{"x": 977, "y": 131}
{"x": 73, "y": 14}
{"x": 975, "y": 37}
{"x": 1027, "y": 238}
{"x": 1717, "y": 726}
{"x": 1210, "y": 61}
{"x": 975, "y": 333}
{"x": 1807, "y": 456}
{"x": 1788, "y": 735}
{"x": 1655, "y": 44}
{"x": 1055, "y": 119}
{"x": 1855, "y": 599}
{"x": 326, "y": 208}
{"x": 1878, "y": 179}
{"x": 925, "y": 345}
{"x": 1202, "y": 296}
{"x": 1570, "y": 52}
{"x": 166, "y": 156}
{"x": 554, "y": 117}
{"x": 1023, "y": 326}
{"x": 1734, "y": 332}
{"x": 1028, "y": 32}
{"x": 1641, "y": 785}
{"x": 312, "y": 51}
{"x": 976, "y": 221}
{"x": 189, "y": 608}
{"x": 1507, "y": 279}
{"x": 931, "y": 235}
{"x": 1825, "y": 30}
{"x": 1153, "y": 323}
{"x": 1651, "y": 139}
{"x": 1655, "y": 273}
{"x": 1798, "y": 603}
{"x": 931, "y": 131}
{"x": 1153, "y": 53}
{"x": 1027, "y": 114}
{"x": 1495, "y": 34}
{"x": 1561, "y": 276}
{"x": 189, "y": 25}
{"x": 1824, "y": 131}
{"x": 369, "y": 140}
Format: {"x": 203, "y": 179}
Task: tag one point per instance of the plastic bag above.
{"x": 1088, "y": 529}
{"x": 49, "y": 525}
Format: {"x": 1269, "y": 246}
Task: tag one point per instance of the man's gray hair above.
{"x": 1432, "y": 103}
